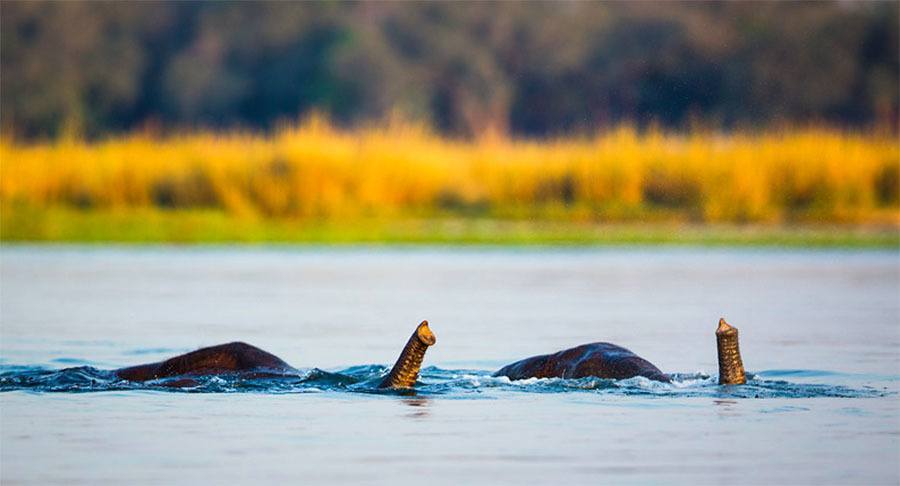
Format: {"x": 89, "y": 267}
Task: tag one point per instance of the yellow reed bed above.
{"x": 313, "y": 171}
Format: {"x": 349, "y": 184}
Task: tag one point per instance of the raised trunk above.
{"x": 406, "y": 369}
{"x": 731, "y": 368}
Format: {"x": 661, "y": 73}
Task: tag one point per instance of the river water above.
{"x": 820, "y": 333}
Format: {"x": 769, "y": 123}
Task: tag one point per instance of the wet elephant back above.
{"x": 603, "y": 360}
{"x": 223, "y": 358}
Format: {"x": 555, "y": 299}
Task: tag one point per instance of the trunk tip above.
{"x": 724, "y": 327}
{"x": 425, "y": 335}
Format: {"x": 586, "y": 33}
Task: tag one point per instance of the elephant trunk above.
{"x": 731, "y": 368}
{"x": 406, "y": 369}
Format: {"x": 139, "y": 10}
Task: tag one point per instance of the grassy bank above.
{"x": 401, "y": 183}
{"x": 191, "y": 226}
{"x": 314, "y": 172}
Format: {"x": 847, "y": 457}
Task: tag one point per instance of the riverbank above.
{"x": 314, "y": 172}
{"x": 64, "y": 225}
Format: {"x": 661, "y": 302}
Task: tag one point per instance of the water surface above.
{"x": 820, "y": 333}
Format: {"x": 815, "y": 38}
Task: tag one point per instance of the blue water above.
{"x": 437, "y": 382}
{"x": 820, "y": 335}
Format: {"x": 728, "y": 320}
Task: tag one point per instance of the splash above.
{"x": 460, "y": 383}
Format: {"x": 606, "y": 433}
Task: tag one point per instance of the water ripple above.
{"x": 459, "y": 383}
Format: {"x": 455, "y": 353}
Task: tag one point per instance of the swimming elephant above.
{"x": 246, "y": 359}
{"x": 605, "y": 360}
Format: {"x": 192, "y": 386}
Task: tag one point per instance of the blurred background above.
{"x": 475, "y": 122}
{"x": 450, "y": 123}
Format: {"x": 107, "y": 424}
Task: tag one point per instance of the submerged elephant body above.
{"x": 602, "y": 360}
{"x": 605, "y": 360}
{"x": 249, "y": 360}
{"x": 234, "y": 357}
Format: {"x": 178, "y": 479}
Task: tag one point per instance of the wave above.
{"x": 436, "y": 381}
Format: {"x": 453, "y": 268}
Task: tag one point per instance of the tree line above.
{"x": 465, "y": 68}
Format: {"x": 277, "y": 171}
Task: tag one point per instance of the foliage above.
{"x": 314, "y": 171}
{"x": 192, "y": 226}
{"x": 527, "y": 68}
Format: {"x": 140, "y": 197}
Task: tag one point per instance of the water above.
{"x": 820, "y": 333}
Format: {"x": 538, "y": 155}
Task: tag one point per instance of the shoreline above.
{"x": 204, "y": 227}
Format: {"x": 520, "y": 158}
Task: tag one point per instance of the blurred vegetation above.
{"x": 475, "y": 122}
{"x": 88, "y": 69}
{"x": 316, "y": 172}
{"x": 210, "y": 226}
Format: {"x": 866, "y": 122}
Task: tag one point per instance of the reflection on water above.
{"x": 419, "y": 407}
{"x": 820, "y": 336}
{"x": 726, "y": 409}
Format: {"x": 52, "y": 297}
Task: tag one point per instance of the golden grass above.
{"x": 315, "y": 172}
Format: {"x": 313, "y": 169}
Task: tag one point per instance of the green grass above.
{"x": 188, "y": 227}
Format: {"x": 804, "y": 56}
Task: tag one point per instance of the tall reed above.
{"x": 314, "y": 171}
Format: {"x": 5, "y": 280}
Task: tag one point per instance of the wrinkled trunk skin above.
{"x": 406, "y": 370}
{"x": 731, "y": 368}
